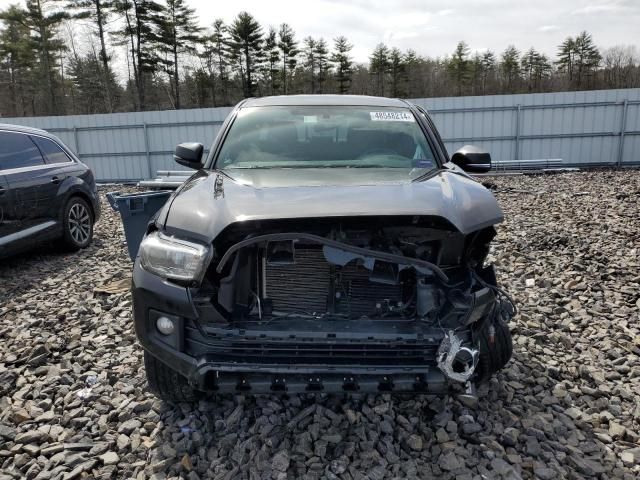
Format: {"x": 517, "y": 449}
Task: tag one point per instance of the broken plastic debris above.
{"x": 89, "y": 383}
{"x": 114, "y": 287}
{"x": 456, "y": 361}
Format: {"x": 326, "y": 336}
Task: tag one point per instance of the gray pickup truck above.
{"x": 325, "y": 244}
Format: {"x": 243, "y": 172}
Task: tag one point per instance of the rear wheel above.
{"x": 494, "y": 354}
{"x": 166, "y": 383}
{"x": 78, "y": 224}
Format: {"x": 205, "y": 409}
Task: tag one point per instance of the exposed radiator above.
{"x": 305, "y": 286}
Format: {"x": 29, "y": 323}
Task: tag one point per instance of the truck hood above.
{"x": 212, "y": 200}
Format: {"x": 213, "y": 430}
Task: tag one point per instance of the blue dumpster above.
{"x": 136, "y": 209}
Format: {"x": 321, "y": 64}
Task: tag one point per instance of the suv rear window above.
{"x": 51, "y": 151}
{"x": 17, "y": 150}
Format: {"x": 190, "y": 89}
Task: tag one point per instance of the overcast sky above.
{"x": 433, "y": 27}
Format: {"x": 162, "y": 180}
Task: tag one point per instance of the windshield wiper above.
{"x": 253, "y": 167}
{"x": 342, "y": 166}
{"x": 250, "y": 167}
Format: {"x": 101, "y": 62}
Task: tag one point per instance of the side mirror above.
{"x": 189, "y": 155}
{"x": 472, "y": 159}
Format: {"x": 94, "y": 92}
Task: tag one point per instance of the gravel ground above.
{"x": 74, "y": 401}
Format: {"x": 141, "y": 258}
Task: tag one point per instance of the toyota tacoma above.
{"x": 326, "y": 243}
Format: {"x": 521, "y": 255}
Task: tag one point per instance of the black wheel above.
{"x": 493, "y": 355}
{"x": 78, "y": 224}
{"x": 168, "y": 384}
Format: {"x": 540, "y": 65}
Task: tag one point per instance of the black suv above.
{"x": 326, "y": 243}
{"x": 46, "y": 193}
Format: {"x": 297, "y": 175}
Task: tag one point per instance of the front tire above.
{"x": 168, "y": 384}
{"x": 77, "y": 222}
{"x": 494, "y": 355}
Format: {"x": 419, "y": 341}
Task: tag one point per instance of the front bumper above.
{"x": 284, "y": 355}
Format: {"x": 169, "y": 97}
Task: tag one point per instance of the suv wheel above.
{"x": 78, "y": 224}
{"x": 168, "y": 384}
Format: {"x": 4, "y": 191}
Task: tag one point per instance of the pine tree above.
{"x": 220, "y": 42}
{"x": 43, "y": 18}
{"x": 488, "y": 68}
{"x": 141, "y": 20}
{"x": 321, "y": 53}
{"x": 587, "y": 57}
{"x": 90, "y": 85}
{"x": 205, "y": 78}
{"x": 246, "y": 49}
{"x": 379, "y": 66}
{"x": 398, "y": 73}
{"x": 17, "y": 57}
{"x": 528, "y": 65}
{"x": 413, "y": 67}
{"x": 542, "y": 69}
{"x": 97, "y": 11}
{"x": 343, "y": 63}
{"x": 510, "y": 67}
{"x": 566, "y": 54}
{"x": 178, "y": 33}
{"x": 459, "y": 66}
{"x": 272, "y": 56}
{"x": 310, "y": 61}
{"x": 578, "y": 57}
{"x": 476, "y": 73}
{"x": 289, "y": 49}
{"x": 535, "y": 67}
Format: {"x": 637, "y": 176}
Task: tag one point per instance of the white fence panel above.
{"x": 582, "y": 128}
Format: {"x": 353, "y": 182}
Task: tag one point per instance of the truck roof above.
{"x": 320, "y": 100}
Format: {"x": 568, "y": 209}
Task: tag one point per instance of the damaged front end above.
{"x": 400, "y": 304}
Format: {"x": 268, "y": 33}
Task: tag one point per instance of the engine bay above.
{"x": 356, "y": 269}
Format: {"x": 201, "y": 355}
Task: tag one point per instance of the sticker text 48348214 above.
{"x": 391, "y": 117}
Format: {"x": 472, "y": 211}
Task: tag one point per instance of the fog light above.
{"x": 165, "y": 325}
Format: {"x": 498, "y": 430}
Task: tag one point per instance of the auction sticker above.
{"x": 391, "y": 117}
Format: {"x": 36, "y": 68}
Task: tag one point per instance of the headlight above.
{"x": 173, "y": 258}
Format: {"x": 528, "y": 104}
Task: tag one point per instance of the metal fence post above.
{"x": 75, "y": 140}
{"x": 148, "y": 153}
{"x": 623, "y": 127}
{"x": 518, "y": 113}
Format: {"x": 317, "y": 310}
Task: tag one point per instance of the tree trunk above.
{"x": 103, "y": 54}
{"x": 138, "y": 52}
{"x": 247, "y": 60}
{"x": 46, "y": 60}
{"x": 223, "y": 80}
{"x": 284, "y": 73}
{"x": 175, "y": 70}
{"x": 12, "y": 88}
{"x": 136, "y": 78}
{"x": 313, "y": 79}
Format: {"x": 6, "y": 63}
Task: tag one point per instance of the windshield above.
{"x": 325, "y": 137}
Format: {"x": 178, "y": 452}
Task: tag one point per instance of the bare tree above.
{"x": 621, "y": 65}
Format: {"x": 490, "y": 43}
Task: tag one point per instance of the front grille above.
{"x": 304, "y": 287}
{"x": 306, "y": 351}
